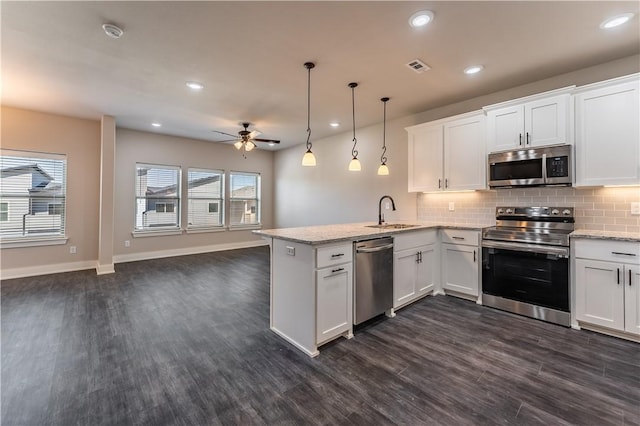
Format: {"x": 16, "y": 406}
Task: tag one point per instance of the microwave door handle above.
{"x": 544, "y": 168}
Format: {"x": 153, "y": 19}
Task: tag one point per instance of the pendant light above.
{"x": 309, "y": 159}
{"x": 354, "y": 164}
{"x": 383, "y": 170}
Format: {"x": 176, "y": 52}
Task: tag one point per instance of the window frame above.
{"x": 222, "y": 211}
{"x": 258, "y": 200}
{"x": 45, "y": 238}
{"x": 168, "y": 229}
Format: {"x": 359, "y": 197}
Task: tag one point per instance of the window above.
{"x": 157, "y": 197}
{"x": 33, "y": 189}
{"x": 244, "y": 199}
{"x": 206, "y": 198}
{"x": 4, "y": 212}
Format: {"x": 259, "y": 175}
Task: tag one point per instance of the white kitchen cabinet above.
{"x": 415, "y": 266}
{"x": 607, "y": 133}
{"x": 461, "y": 262}
{"x": 607, "y": 277}
{"x": 448, "y": 154}
{"x": 333, "y": 301}
{"x": 534, "y": 121}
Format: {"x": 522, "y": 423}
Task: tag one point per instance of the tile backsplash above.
{"x": 600, "y": 209}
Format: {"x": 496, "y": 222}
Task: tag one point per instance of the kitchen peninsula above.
{"x": 312, "y": 273}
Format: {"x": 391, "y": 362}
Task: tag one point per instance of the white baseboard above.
{"x": 105, "y": 269}
{"x": 134, "y": 257}
{"x": 31, "y": 271}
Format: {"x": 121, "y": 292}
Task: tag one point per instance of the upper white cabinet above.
{"x": 534, "y": 121}
{"x": 607, "y": 138}
{"x": 448, "y": 154}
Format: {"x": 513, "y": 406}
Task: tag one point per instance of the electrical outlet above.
{"x": 127, "y": 243}
{"x": 73, "y": 250}
{"x": 291, "y": 251}
{"x": 452, "y": 206}
{"x": 635, "y": 209}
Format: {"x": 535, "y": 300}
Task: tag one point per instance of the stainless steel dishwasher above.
{"x": 373, "y": 292}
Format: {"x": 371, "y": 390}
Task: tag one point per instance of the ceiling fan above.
{"x": 245, "y": 141}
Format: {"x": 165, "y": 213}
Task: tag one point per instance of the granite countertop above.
{"x": 606, "y": 235}
{"x": 324, "y": 234}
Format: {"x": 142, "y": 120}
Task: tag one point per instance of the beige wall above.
{"x": 80, "y": 140}
{"x": 329, "y": 193}
{"x": 146, "y": 147}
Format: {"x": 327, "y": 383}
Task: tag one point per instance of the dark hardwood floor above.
{"x": 186, "y": 341}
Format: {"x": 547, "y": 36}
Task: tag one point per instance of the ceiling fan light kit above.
{"x": 354, "y": 164}
{"x": 309, "y": 160}
{"x": 246, "y": 140}
{"x": 383, "y": 170}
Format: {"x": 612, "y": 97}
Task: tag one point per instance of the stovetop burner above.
{"x": 532, "y": 225}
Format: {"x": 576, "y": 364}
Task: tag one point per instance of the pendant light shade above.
{"x": 238, "y": 145}
{"x": 309, "y": 159}
{"x": 383, "y": 170}
{"x": 354, "y": 164}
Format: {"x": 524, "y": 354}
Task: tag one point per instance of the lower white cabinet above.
{"x": 415, "y": 266}
{"x": 607, "y": 281}
{"x": 333, "y": 301}
{"x": 460, "y": 262}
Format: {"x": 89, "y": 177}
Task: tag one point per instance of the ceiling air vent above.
{"x": 418, "y": 66}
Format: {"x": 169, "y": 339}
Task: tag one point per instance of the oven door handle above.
{"x": 530, "y": 248}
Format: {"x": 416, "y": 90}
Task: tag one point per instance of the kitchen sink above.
{"x": 392, "y": 226}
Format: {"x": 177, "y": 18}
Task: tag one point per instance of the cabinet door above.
{"x": 333, "y": 301}
{"x": 632, "y": 299}
{"x": 426, "y": 269}
{"x": 505, "y": 128}
{"x": 460, "y": 269}
{"x": 546, "y": 121}
{"x": 425, "y": 159}
{"x": 600, "y": 293}
{"x": 607, "y": 148}
{"x": 464, "y": 154}
{"x": 404, "y": 276}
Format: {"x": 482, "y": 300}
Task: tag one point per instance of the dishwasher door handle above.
{"x": 373, "y": 249}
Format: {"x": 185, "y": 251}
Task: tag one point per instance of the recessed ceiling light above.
{"x": 616, "y": 21}
{"x": 334, "y": 124}
{"x": 421, "y": 18}
{"x": 156, "y": 124}
{"x": 112, "y": 30}
{"x": 474, "y": 69}
{"x": 194, "y": 85}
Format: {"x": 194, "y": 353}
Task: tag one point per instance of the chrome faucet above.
{"x": 380, "y": 215}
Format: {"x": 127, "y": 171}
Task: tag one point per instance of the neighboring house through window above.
{"x": 157, "y": 197}
{"x": 32, "y": 194}
{"x": 206, "y": 198}
{"x": 244, "y": 199}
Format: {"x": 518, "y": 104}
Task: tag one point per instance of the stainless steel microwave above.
{"x": 531, "y": 167}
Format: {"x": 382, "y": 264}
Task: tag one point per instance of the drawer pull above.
{"x": 333, "y": 256}
{"x": 458, "y": 238}
{"x": 333, "y": 271}
{"x": 623, "y": 254}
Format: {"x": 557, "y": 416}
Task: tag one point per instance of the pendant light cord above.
{"x": 383, "y": 158}
{"x": 354, "y": 152}
{"x": 308, "y": 106}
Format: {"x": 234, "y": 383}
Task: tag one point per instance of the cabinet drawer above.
{"x": 333, "y": 255}
{"x": 608, "y": 251}
{"x": 408, "y": 240}
{"x": 461, "y": 236}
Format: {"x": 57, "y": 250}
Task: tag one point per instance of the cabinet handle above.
{"x": 520, "y": 138}
{"x": 421, "y": 260}
{"x": 333, "y": 271}
{"x": 446, "y": 182}
{"x": 528, "y": 139}
{"x": 439, "y": 183}
{"x": 629, "y": 277}
{"x": 333, "y": 256}
{"x": 618, "y": 276}
{"x": 623, "y": 254}
{"x": 474, "y": 256}
{"x": 457, "y": 238}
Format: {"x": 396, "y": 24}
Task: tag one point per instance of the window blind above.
{"x": 32, "y": 194}
{"x": 244, "y": 196}
{"x": 157, "y": 197}
{"x": 205, "y": 198}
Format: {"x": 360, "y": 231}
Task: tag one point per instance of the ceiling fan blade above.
{"x": 223, "y": 133}
{"x": 254, "y": 133}
{"x": 227, "y": 140}
{"x": 266, "y": 140}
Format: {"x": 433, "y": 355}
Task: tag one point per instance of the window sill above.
{"x": 205, "y": 230}
{"x": 158, "y": 233}
{"x": 244, "y": 227}
{"x": 33, "y": 242}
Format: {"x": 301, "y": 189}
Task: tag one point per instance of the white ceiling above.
{"x": 250, "y": 56}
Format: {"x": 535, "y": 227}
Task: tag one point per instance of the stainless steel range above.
{"x": 525, "y": 262}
